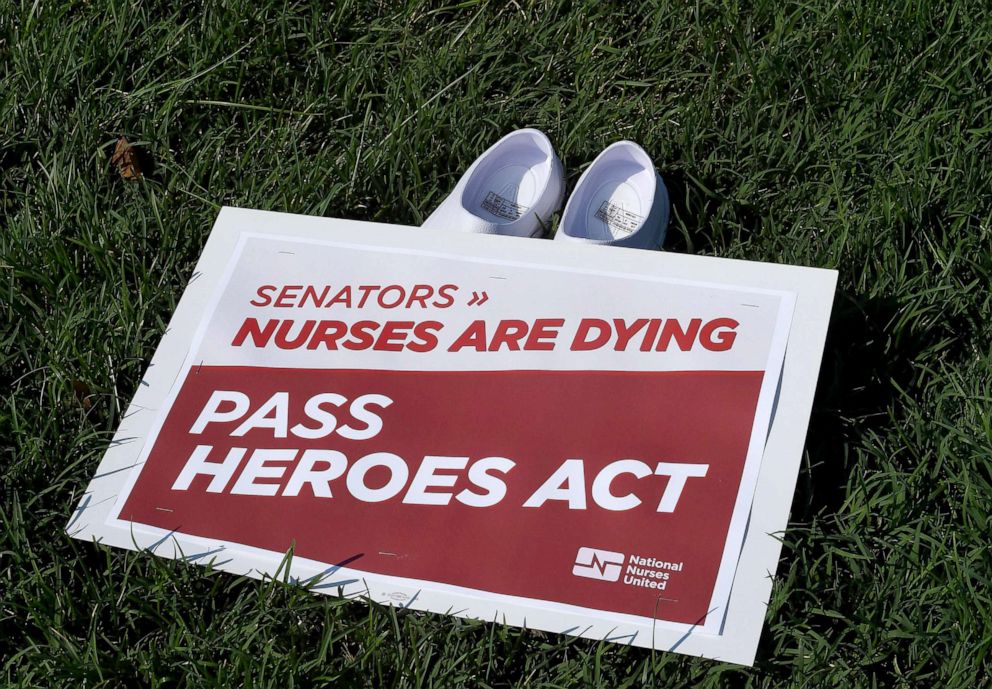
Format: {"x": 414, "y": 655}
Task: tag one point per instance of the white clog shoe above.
{"x": 513, "y": 189}
{"x": 620, "y": 200}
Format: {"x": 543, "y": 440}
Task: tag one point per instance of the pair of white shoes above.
{"x": 518, "y": 184}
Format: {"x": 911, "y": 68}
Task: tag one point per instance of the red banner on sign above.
{"x": 606, "y": 490}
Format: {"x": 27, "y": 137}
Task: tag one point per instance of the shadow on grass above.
{"x": 693, "y": 205}
{"x": 866, "y": 361}
{"x": 854, "y": 394}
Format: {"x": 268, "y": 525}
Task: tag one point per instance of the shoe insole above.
{"x": 617, "y": 202}
{"x": 509, "y": 193}
{"x": 509, "y": 184}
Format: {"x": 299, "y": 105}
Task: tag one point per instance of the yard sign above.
{"x": 594, "y": 441}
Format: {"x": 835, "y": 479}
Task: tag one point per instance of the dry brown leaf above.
{"x": 125, "y": 159}
{"x": 82, "y": 392}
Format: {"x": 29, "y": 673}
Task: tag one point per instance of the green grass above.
{"x": 848, "y": 135}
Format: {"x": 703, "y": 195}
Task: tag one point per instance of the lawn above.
{"x": 848, "y": 135}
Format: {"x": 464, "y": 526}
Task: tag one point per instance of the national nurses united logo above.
{"x": 593, "y": 563}
{"x": 637, "y": 570}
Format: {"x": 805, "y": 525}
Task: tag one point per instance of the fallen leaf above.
{"x": 82, "y": 391}
{"x": 125, "y": 159}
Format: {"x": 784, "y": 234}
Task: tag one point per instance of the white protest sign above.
{"x": 571, "y": 438}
